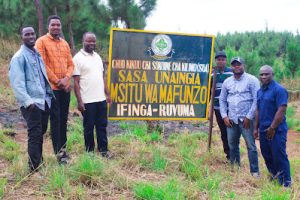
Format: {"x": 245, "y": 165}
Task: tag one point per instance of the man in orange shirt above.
{"x": 57, "y": 56}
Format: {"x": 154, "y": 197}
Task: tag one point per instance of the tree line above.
{"x": 77, "y": 16}
{"x": 278, "y": 49}
{"x": 281, "y": 50}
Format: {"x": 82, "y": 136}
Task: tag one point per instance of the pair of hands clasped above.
{"x": 270, "y": 132}
{"x": 63, "y": 84}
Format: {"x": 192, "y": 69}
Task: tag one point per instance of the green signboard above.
{"x": 159, "y": 76}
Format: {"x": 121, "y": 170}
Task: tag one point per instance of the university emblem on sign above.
{"x": 161, "y": 47}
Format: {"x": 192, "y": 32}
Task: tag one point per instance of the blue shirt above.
{"x": 28, "y": 78}
{"x": 221, "y": 77}
{"x": 238, "y": 97}
{"x": 269, "y": 99}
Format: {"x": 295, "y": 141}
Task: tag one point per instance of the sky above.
{"x": 223, "y": 16}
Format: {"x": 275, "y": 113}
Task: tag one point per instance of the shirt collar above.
{"x": 86, "y": 53}
{"x": 270, "y": 85}
{"x": 28, "y": 50}
{"x": 52, "y": 38}
{"x": 241, "y": 77}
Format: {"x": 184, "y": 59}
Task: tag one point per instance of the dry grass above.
{"x": 7, "y": 50}
{"x": 291, "y": 83}
{"x": 190, "y": 172}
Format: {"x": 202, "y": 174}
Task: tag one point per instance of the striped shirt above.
{"x": 221, "y": 76}
{"x": 238, "y": 97}
{"x": 57, "y": 58}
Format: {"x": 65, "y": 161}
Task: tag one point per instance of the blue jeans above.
{"x": 233, "y": 135}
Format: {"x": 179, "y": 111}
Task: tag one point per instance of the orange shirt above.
{"x": 57, "y": 58}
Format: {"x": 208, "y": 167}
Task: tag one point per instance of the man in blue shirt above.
{"x": 272, "y": 101}
{"x": 237, "y": 106}
{"x": 222, "y": 73}
{"x": 30, "y": 84}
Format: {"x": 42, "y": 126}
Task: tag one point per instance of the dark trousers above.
{"x": 275, "y": 156}
{"x": 223, "y": 130}
{"x": 37, "y": 121}
{"x": 58, "y": 119}
{"x": 95, "y": 115}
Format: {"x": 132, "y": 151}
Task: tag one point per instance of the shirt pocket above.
{"x": 31, "y": 70}
{"x": 31, "y": 88}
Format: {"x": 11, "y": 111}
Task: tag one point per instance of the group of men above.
{"x": 243, "y": 107}
{"x": 40, "y": 74}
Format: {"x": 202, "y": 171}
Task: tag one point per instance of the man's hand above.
{"x": 62, "y": 83}
{"x": 255, "y": 133}
{"x": 67, "y": 88}
{"x": 270, "y": 133}
{"x": 108, "y": 100}
{"x": 246, "y": 123}
{"x": 227, "y": 122}
{"x": 81, "y": 107}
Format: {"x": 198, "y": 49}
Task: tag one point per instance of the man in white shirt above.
{"x": 92, "y": 94}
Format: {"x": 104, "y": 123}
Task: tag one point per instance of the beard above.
{"x": 238, "y": 73}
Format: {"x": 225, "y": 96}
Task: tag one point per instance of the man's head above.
{"x": 89, "y": 42}
{"x": 266, "y": 74}
{"x": 54, "y": 25}
{"x": 28, "y": 36}
{"x": 220, "y": 59}
{"x": 237, "y": 65}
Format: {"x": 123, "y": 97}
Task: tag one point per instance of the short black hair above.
{"x": 24, "y": 26}
{"x": 52, "y": 17}
{"x": 88, "y": 32}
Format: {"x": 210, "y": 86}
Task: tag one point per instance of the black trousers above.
{"x": 95, "y": 115}
{"x": 58, "y": 119}
{"x": 37, "y": 121}
{"x": 223, "y": 130}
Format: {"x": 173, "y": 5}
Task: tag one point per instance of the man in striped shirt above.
{"x": 56, "y": 54}
{"x": 223, "y": 73}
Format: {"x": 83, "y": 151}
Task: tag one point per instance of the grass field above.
{"x": 145, "y": 166}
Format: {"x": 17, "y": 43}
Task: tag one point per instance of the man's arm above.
{"x": 256, "y": 124}
{"x": 223, "y": 101}
{"x": 41, "y": 49}
{"x": 254, "y": 88}
{"x": 223, "y": 104}
{"x": 106, "y": 90}
{"x": 278, "y": 117}
{"x": 18, "y": 81}
{"x": 70, "y": 67}
{"x": 64, "y": 82}
{"x": 281, "y": 100}
{"x": 276, "y": 121}
{"x": 80, "y": 103}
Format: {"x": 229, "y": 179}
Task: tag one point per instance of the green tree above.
{"x": 293, "y": 56}
{"x": 14, "y": 14}
{"x": 130, "y": 13}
